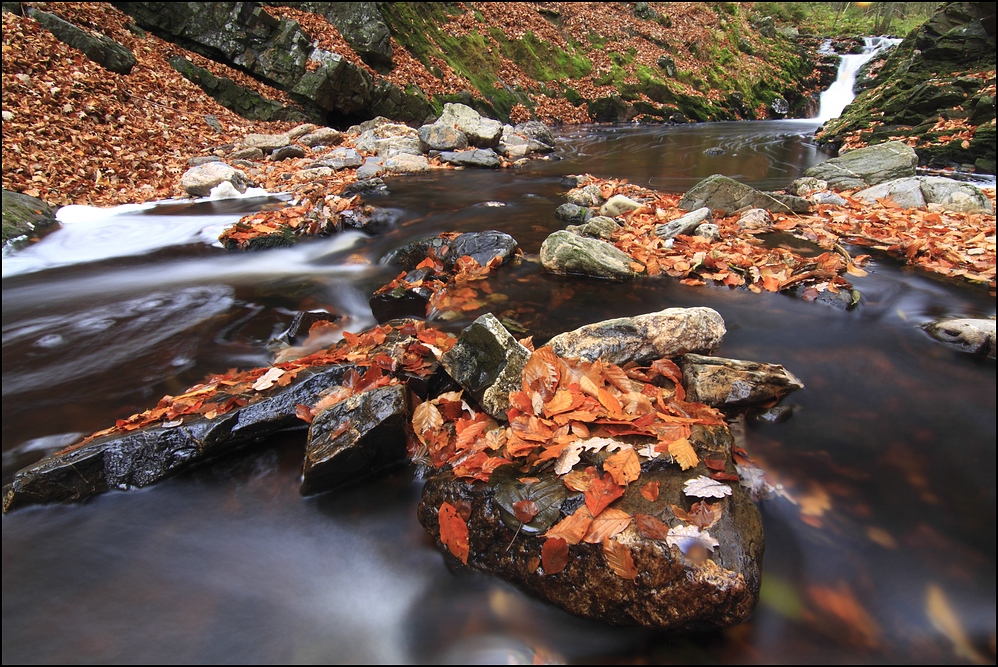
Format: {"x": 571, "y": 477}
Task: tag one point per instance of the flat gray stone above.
{"x": 868, "y": 166}
{"x": 568, "y": 254}
{"x": 725, "y": 196}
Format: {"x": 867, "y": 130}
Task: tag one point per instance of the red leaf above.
{"x": 650, "y": 527}
{"x": 554, "y": 555}
{"x": 601, "y": 493}
{"x": 650, "y": 491}
{"x": 453, "y": 531}
{"x": 304, "y": 413}
{"x": 525, "y": 511}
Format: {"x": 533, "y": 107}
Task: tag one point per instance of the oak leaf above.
{"x": 705, "y": 487}
{"x": 687, "y": 537}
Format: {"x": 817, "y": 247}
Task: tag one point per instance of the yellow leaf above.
{"x": 684, "y": 454}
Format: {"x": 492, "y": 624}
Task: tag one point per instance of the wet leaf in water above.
{"x": 650, "y": 491}
{"x": 651, "y": 527}
{"x": 601, "y": 493}
{"x": 547, "y": 495}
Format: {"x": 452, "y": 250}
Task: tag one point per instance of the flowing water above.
{"x": 888, "y": 555}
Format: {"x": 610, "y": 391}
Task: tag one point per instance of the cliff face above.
{"x": 935, "y": 92}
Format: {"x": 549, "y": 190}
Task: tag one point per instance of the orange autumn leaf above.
{"x": 561, "y": 402}
{"x": 624, "y": 466}
{"x": 619, "y": 558}
{"x": 453, "y": 531}
{"x": 554, "y": 555}
{"x": 650, "y": 491}
{"x": 684, "y": 454}
{"x": 609, "y": 522}
{"x": 573, "y": 527}
{"x": 577, "y": 480}
{"x": 651, "y": 527}
{"x": 610, "y": 402}
{"x": 601, "y": 492}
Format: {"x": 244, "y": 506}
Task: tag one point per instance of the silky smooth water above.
{"x": 888, "y": 555}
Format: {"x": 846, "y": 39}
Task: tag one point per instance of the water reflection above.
{"x": 888, "y": 554}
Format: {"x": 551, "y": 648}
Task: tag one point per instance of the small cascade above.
{"x": 840, "y": 93}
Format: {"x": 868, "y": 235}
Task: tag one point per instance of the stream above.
{"x": 885, "y": 554}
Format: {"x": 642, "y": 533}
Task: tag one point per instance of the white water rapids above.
{"x": 840, "y": 93}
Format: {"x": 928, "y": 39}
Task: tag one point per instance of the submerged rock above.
{"x": 568, "y": 254}
{"x": 672, "y": 582}
{"x": 359, "y": 438}
{"x": 725, "y": 196}
{"x": 730, "y": 383}
{"x": 644, "y": 338}
{"x": 976, "y": 336}
{"x": 868, "y": 166}
{"x": 488, "y": 362}
{"x": 480, "y": 246}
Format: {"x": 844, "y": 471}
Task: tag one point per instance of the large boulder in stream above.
{"x": 868, "y": 166}
{"x": 976, "y": 336}
{"x": 667, "y": 333}
{"x": 638, "y": 563}
{"x": 724, "y": 196}
{"x": 482, "y": 247}
{"x": 566, "y": 253}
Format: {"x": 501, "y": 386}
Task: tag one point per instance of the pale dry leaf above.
{"x": 705, "y": 487}
{"x": 685, "y": 537}
{"x": 268, "y": 379}
{"x": 684, "y": 454}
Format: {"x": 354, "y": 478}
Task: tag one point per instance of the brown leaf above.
{"x": 542, "y": 372}
{"x": 651, "y": 527}
{"x": 702, "y": 514}
{"x": 650, "y": 491}
{"x": 624, "y": 466}
{"x": 573, "y": 527}
{"x": 525, "y": 510}
{"x": 619, "y": 558}
{"x": 609, "y": 522}
{"x": 601, "y": 493}
{"x": 554, "y": 555}
{"x": 453, "y": 531}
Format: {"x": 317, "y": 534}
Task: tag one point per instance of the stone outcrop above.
{"x": 868, "y": 166}
{"x": 360, "y": 23}
{"x": 488, "y": 362}
{"x": 725, "y": 196}
{"x": 334, "y": 85}
{"x": 245, "y": 102}
{"x": 668, "y": 333}
{"x": 101, "y": 49}
{"x": 568, "y": 254}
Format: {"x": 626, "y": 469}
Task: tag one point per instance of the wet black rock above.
{"x": 366, "y": 187}
{"x": 357, "y": 439}
{"x": 480, "y": 246}
{"x": 488, "y": 362}
{"x": 147, "y": 455}
{"x": 573, "y": 213}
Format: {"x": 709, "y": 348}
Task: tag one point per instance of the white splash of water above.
{"x": 840, "y": 93}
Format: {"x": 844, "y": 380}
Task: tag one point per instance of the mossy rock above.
{"x": 25, "y": 219}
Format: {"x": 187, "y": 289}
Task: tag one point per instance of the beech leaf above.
{"x": 650, "y": 491}
{"x": 573, "y": 527}
{"x": 453, "y": 531}
{"x": 604, "y": 527}
{"x": 601, "y": 493}
{"x": 684, "y": 454}
{"x": 624, "y": 466}
{"x": 651, "y": 527}
{"x": 554, "y": 555}
{"x": 619, "y": 558}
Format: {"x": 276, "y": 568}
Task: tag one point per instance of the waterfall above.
{"x": 840, "y": 93}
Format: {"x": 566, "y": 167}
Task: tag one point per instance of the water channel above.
{"x": 881, "y": 549}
